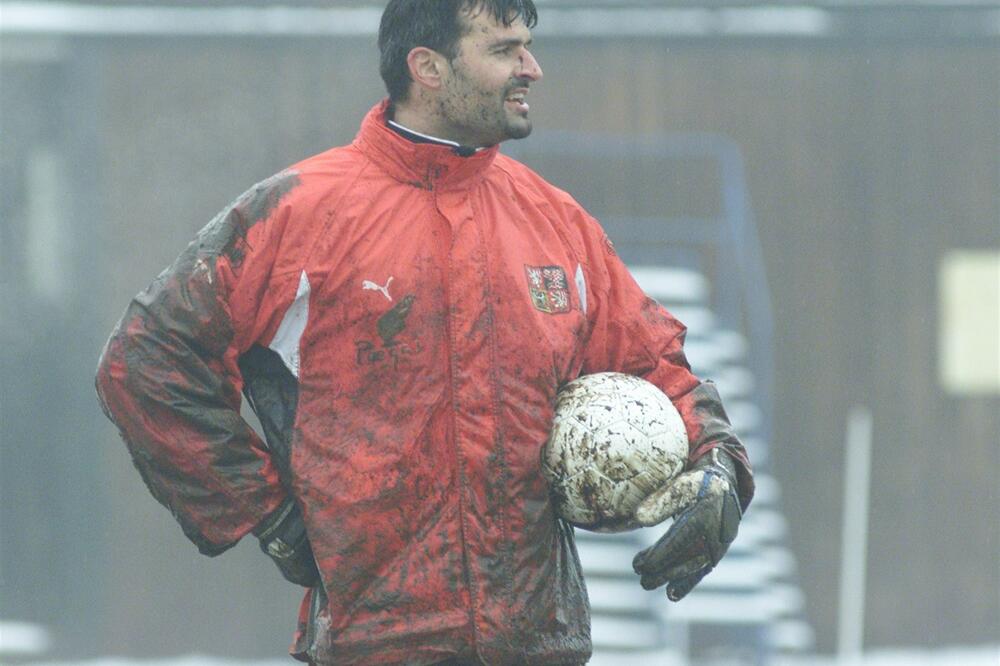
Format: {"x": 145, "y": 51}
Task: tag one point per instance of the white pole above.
{"x": 854, "y": 536}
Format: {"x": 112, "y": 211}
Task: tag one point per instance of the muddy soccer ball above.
{"x": 615, "y": 439}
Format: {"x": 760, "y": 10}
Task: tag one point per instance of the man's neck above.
{"x": 394, "y": 120}
{"x": 410, "y": 117}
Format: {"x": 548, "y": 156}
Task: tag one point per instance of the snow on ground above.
{"x": 945, "y": 656}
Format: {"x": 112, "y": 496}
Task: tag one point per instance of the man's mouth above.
{"x": 516, "y": 99}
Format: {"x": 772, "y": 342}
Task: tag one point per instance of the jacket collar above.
{"x": 430, "y": 166}
{"x": 417, "y": 137}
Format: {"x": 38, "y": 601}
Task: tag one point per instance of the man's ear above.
{"x": 427, "y": 67}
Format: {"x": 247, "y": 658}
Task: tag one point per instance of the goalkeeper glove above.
{"x": 283, "y": 537}
{"x": 706, "y": 511}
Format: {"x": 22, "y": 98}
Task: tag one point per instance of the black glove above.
{"x": 283, "y": 537}
{"x": 706, "y": 511}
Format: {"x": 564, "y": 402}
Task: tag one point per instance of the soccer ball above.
{"x": 615, "y": 439}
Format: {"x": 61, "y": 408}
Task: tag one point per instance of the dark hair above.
{"x": 435, "y": 24}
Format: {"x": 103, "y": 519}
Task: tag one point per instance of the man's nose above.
{"x": 530, "y": 69}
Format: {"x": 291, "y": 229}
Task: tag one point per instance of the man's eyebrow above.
{"x": 510, "y": 41}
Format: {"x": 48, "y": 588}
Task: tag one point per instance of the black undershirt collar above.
{"x": 417, "y": 137}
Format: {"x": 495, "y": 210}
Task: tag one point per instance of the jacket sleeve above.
{"x": 632, "y": 333}
{"x": 168, "y": 376}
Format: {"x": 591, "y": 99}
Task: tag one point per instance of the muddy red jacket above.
{"x": 401, "y": 318}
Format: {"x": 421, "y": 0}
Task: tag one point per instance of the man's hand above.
{"x": 283, "y": 537}
{"x": 707, "y": 515}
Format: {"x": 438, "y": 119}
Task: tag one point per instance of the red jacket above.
{"x": 401, "y": 318}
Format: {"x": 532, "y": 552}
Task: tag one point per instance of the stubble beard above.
{"x": 481, "y": 113}
{"x": 519, "y": 131}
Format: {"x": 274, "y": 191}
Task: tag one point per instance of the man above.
{"x": 378, "y": 305}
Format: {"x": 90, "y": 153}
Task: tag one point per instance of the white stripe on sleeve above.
{"x": 286, "y": 340}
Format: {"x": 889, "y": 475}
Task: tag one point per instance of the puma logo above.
{"x": 368, "y": 284}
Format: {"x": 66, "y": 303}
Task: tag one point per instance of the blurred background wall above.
{"x": 872, "y": 149}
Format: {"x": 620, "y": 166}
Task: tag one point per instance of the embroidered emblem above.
{"x": 368, "y": 284}
{"x": 548, "y": 288}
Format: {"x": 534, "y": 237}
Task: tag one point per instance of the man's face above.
{"x": 482, "y": 100}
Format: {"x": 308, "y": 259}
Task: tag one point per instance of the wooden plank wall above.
{"x": 865, "y": 163}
